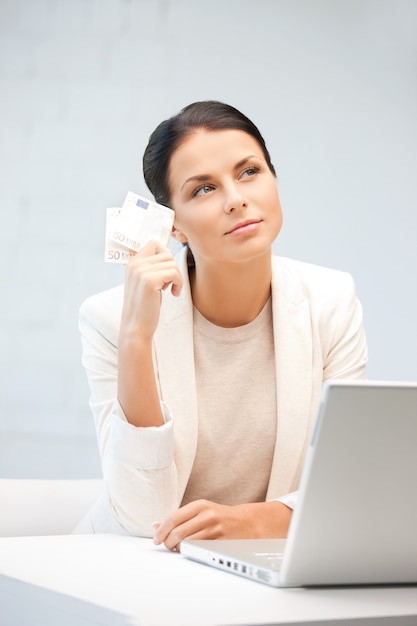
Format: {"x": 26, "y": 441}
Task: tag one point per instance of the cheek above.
{"x": 274, "y": 200}
{"x": 189, "y": 226}
{"x": 198, "y": 220}
{"x": 275, "y": 210}
{"x": 200, "y": 230}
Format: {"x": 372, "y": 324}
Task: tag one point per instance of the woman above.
{"x": 206, "y": 368}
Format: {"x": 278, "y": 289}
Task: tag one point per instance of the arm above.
{"x": 208, "y": 520}
{"x": 148, "y": 273}
{"x": 138, "y": 465}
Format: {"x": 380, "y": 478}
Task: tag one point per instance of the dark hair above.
{"x": 168, "y": 135}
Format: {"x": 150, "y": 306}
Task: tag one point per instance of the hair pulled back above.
{"x": 210, "y": 115}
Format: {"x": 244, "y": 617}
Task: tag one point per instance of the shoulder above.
{"x": 299, "y": 280}
{"x": 102, "y": 311}
{"x": 105, "y": 302}
{"x": 307, "y": 273}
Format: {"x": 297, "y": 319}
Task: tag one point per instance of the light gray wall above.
{"x": 332, "y": 86}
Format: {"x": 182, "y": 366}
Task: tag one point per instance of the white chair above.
{"x": 43, "y": 506}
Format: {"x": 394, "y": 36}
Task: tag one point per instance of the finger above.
{"x": 173, "y": 521}
{"x": 193, "y": 529}
{"x": 154, "y": 273}
{"x": 196, "y": 518}
{"x": 153, "y": 247}
{"x": 176, "y": 287}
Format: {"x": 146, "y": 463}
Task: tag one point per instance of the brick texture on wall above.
{"x": 82, "y": 85}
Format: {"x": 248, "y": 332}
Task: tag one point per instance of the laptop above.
{"x": 355, "y": 522}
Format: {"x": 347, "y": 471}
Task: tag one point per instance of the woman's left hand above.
{"x": 203, "y": 519}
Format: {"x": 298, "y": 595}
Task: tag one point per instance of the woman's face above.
{"x": 224, "y": 196}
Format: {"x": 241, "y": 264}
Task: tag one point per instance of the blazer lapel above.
{"x": 174, "y": 356}
{"x": 293, "y": 360}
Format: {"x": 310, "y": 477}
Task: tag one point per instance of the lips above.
{"x": 243, "y": 227}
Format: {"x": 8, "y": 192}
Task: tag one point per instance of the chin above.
{"x": 253, "y": 250}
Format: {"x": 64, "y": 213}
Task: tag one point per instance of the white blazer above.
{"x": 318, "y": 335}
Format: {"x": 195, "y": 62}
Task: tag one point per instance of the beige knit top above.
{"x": 235, "y": 374}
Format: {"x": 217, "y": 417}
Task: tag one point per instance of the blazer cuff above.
{"x": 289, "y": 500}
{"x": 143, "y": 448}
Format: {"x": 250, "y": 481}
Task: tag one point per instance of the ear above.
{"x": 178, "y": 235}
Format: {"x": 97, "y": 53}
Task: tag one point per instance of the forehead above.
{"x": 204, "y": 151}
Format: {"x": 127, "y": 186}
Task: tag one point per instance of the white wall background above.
{"x": 332, "y": 84}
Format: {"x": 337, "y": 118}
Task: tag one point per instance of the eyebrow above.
{"x": 205, "y": 177}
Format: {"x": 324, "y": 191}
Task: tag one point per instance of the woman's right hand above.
{"x": 148, "y": 273}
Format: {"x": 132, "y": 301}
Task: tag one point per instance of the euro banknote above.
{"x": 138, "y": 221}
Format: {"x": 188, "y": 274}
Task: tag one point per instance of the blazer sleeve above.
{"x": 343, "y": 340}
{"x": 138, "y": 463}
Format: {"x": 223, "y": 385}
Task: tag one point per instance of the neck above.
{"x": 234, "y": 294}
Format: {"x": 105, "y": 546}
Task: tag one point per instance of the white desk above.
{"x": 84, "y": 580}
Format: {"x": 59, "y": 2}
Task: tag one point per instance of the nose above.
{"x": 234, "y": 200}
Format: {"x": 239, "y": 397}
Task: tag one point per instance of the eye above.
{"x": 250, "y": 171}
{"x": 202, "y": 190}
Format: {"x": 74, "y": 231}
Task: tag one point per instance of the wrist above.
{"x": 272, "y": 519}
